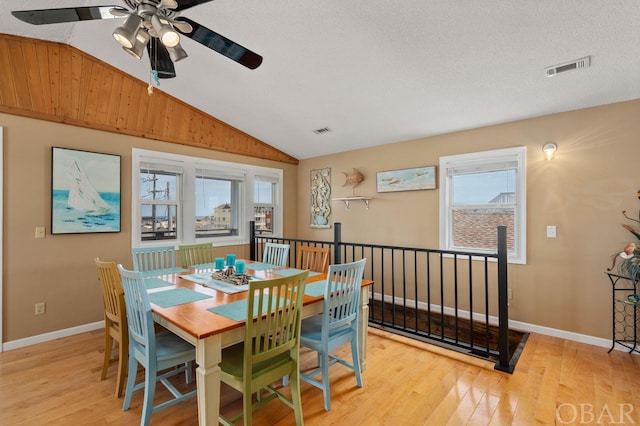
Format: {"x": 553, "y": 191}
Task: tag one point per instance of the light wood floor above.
{"x": 406, "y": 382}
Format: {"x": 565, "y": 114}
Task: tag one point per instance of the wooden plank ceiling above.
{"x": 56, "y": 82}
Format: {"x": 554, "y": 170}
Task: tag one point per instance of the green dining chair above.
{"x": 270, "y": 350}
{"x": 276, "y": 254}
{"x": 336, "y": 326}
{"x": 196, "y": 254}
{"x": 155, "y": 352}
{"x": 154, "y": 258}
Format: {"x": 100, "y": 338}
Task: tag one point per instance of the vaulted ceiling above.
{"x": 377, "y": 72}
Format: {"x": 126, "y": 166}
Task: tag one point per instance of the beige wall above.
{"x": 59, "y": 269}
{"x": 595, "y": 176}
{"x": 583, "y": 191}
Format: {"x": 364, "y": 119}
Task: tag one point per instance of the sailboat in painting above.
{"x": 82, "y": 195}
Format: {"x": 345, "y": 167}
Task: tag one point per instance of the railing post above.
{"x": 252, "y": 240}
{"x": 337, "y": 239}
{"x": 503, "y": 304}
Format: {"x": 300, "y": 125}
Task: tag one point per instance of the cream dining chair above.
{"x": 115, "y": 321}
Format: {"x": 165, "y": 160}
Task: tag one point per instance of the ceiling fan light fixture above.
{"x": 169, "y": 4}
{"x": 167, "y": 35}
{"x": 142, "y": 38}
{"x": 126, "y": 34}
{"x": 177, "y": 53}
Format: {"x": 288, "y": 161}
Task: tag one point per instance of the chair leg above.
{"x": 188, "y": 372}
{"x": 355, "y": 356}
{"x": 294, "y": 381}
{"x": 131, "y": 382}
{"x": 324, "y": 367}
{"x": 149, "y": 393}
{"x": 122, "y": 367}
{"x": 247, "y": 407}
{"x": 108, "y": 347}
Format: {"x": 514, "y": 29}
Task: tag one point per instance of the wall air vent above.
{"x": 322, "y": 131}
{"x": 568, "y": 66}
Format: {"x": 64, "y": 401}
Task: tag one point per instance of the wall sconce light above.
{"x": 550, "y": 150}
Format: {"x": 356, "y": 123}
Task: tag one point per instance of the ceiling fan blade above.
{"x": 160, "y": 59}
{"x": 186, "y": 4}
{"x": 221, "y": 44}
{"x": 68, "y": 14}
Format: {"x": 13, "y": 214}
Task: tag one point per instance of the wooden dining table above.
{"x": 200, "y": 318}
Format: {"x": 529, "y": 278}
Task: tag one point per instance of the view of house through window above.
{"x": 217, "y": 207}
{"x": 480, "y": 192}
{"x": 182, "y": 199}
{"x": 158, "y": 204}
{"x": 264, "y": 204}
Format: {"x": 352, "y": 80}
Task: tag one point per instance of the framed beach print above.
{"x": 85, "y": 192}
{"x": 406, "y": 179}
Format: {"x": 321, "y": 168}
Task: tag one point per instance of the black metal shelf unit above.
{"x": 624, "y": 312}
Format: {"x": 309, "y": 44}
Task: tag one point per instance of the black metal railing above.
{"x": 451, "y": 298}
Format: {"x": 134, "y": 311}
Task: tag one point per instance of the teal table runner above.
{"x": 315, "y": 289}
{"x": 158, "y": 272}
{"x": 259, "y": 266}
{"x": 237, "y": 311}
{"x": 156, "y": 283}
{"x": 176, "y": 296}
{"x": 204, "y": 266}
{"x": 293, "y": 271}
{"x": 206, "y": 280}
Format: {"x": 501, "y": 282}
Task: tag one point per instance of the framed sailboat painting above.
{"x": 85, "y": 192}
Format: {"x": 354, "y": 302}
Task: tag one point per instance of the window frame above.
{"x": 186, "y": 204}
{"x": 483, "y": 161}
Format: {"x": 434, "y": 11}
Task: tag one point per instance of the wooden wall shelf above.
{"x": 347, "y": 200}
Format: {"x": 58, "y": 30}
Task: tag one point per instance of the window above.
{"x": 180, "y": 199}
{"x": 264, "y": 203}
{"x": 159, "y": 201}
{"x": 478, "y": 193}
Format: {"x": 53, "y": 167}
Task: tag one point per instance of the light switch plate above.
{"x": 551, "y": 232}
{"x": 40, "y": 231}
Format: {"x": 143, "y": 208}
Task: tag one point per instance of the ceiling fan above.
{"x": 151, "y": 24}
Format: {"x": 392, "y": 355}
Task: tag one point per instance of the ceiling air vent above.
{"x": 568, "y": 66}
{"x": 322, "y": 131}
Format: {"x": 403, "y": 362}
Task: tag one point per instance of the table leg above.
{"x": 208, "y": 357}
{"x": 363, "y": 324}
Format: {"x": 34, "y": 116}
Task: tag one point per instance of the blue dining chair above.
{"x": 336, "y": 326}
{"x": 276, "y": 254}
{"x": 154, "y": 258}
{"x": 155, "y": 352}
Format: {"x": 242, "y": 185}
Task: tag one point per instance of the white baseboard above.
{"x": 516, "y": 325}
{"x": 28, "y": 341}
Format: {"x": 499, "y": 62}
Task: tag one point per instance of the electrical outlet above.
{"x": 551, "y": 232}
{"x": 509, "y": 293}
{"x": 40, "y": 308}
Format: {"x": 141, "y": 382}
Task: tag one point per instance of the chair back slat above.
{"x": 276, "y": 254}
{"x": 138, "y": 312}
{"x": 112, "y": 292}
{"x": 153, "y": 258}
{"x": 196, "y": 254}
{"x": 277, "y": 328}
{"x": 342, "y": 295}
{"x": 313, "y": 258}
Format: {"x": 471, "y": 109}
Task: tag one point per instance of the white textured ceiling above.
{"x": 380, "y": 71}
